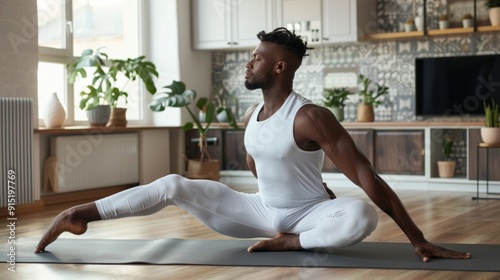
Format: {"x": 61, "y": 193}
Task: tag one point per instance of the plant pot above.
{"x": 443, "y": 24}
{"x": 446, "y": 168}
{"x": 467, "y": 23}
{"x": 338, "y": 112}
{"x": 365, "y": 113}
{"x": 54, "y": 114}
{"x": 99, "y": 116}
{"x": 118, "y": 117}
{"x": 208, "y": 169}
{"x": 490, "y": 135}
{"x": 494, "y": 14}
{"x": 409, "y": 27}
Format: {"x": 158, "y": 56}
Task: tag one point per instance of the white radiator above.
{"x": 16, "y": 151}
{"x": 92, "y": 161}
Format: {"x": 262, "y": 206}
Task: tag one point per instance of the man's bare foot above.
{"x": 73, "y": 220}
{"x": 281, "y": 242}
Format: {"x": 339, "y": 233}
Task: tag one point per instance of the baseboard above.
{"x": 85, "y": 195}
{"x": 23, "y": 209}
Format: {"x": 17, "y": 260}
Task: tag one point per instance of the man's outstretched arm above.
{"x": 338, "y": 145}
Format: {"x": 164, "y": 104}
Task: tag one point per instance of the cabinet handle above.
{"x": 212, "y": 141}
{"x": 422, "y": 152}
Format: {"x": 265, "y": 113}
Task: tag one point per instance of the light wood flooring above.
{"x": 445, "y": 217}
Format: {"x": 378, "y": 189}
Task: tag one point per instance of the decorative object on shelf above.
{"x": 446, "y": 167}
{"x": 176, "y": 95}
{"x": 334, "y": 99}
{"x": 467, "y": 20}
{"x": 409, "y": 25}
{"x": 54, "y": 114}
{"x": 443, "y": 22}
{"x": 221, "y": 105}
{"x": 370, "y": 99}
{"x": 99, "y": 115}
{"x": 490, "y": 134}
{"x": 419, "y": 19}
{"x": 493, "y": 7}
{"x": 103, "y": 89}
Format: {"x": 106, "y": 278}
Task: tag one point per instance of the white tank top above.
{"x": 287, "y": 176}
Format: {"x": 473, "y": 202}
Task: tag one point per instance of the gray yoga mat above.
{"x": 172, "y": 251}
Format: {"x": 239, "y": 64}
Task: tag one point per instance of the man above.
{"x": 286, "y": 138}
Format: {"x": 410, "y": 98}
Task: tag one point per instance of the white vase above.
{"x": 53, "y": 114}
{"x": 419, "y": 22}
{"x": 494, "y": 14}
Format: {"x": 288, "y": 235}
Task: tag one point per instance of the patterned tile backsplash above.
{"x": 389, "y": 63}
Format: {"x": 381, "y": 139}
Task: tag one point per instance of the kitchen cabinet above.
{"x": 214, "y": 144}
{"x": 347, "y": 20}
{"x": 399, "y": 152}
{"x": 226, "y": 24}
{"x": 234, "y": 152}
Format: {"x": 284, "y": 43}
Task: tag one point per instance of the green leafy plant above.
{"x": 103, "y": 89}
{"x": 335, "y": 97}
{"x": 370, "y": 96}
{"x": 492, "y": 4}
{"x": 491, "y": 114}
{"x": 176, "y": 95}
{"x": 447, "y": 148}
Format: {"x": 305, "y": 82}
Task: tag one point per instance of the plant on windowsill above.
{"x": 446, "y": 167}
{"x": 490, "y": 134}
{"x": 334, "y": 99}
{"x": 103, "y": 92}
{"x": 493, "y": 7}
{"x": 370, "y": 99}
{"x": 176, "y": 95}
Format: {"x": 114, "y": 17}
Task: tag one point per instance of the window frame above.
{"x": 65, "y": 56}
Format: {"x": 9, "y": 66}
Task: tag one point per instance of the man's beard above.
{"x": 263, "y": 84}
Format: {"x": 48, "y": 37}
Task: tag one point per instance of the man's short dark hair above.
{"x": 287, "y": 39}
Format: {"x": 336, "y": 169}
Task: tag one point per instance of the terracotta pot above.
{"x": 118, "y": 117}
{"x": 494, "y": 14}
{"x": 446, "y": 169}
{"x": 365, "y": 113}
{"x": 490, "y": 135}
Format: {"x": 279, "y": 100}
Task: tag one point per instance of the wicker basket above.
{"x": 365, "y": 113}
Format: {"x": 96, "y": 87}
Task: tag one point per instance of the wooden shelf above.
{"x": 488, "y": 28}
{"x": 450, "y": 31}
{"x": 396, "y": 35}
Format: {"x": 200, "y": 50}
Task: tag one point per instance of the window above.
{"x": 66, "y": 28}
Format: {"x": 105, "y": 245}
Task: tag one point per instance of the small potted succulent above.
{"x": 467, "y": 20}
{"x": 443, "y": 22}
{"x": 490, "y": 134}
{"x": 446, "y": 167}
{"x": 409, "y": 25}
{"x": 334, "y": 99}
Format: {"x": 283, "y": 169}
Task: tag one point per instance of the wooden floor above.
{"x": 444, "y": 217}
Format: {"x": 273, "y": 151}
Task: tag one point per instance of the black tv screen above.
{"x": 456, "y": 86}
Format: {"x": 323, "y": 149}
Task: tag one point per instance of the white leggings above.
{"x": 330, "y": 223}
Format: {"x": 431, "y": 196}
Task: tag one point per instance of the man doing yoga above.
{"x": 286, "y": 138}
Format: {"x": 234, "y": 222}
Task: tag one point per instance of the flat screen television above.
{"x": 456, "y": 86}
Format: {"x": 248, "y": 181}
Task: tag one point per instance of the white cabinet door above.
{"x": 251, "y": 17}
{"x": 347, "y": 20}
{"x": 223, "y": 24}
{"x": 303, "y": 17}
{"x": 339, "y": 21}
{"x": 211, "y": 24}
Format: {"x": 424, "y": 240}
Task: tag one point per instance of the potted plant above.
{"x": 334, "y": 99}
{"x": 493, "y": 7}
{"x": 409, "y": 25}
{"x": 176, "y": 95}
{"x": 467, "y": 20}
{"x": 490, "y": 134}
{"x": 446, "y": 167}
{"x": 103, "y": 92}
{"x": 443, "y": 22}
{"x": 370, "y": 99}
{"x": 221, "y": 108}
